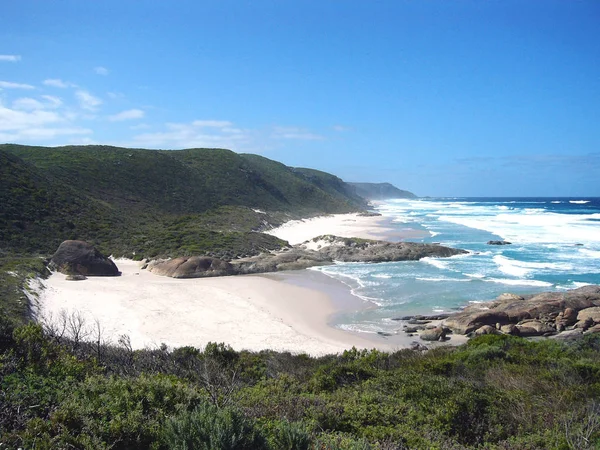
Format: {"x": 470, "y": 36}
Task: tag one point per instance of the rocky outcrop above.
{"x": 499, "y": 243}
{"x": 536, "y": 315}
{"x": 365, "y": 250}
{"x": 82, "y": 258}
{"x": 320, "y": 251}
{"x": 292, "y": 259}
{"x": 192, "y": 267}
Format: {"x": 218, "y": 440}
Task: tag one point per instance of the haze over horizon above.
{"x": 440, "y": 98}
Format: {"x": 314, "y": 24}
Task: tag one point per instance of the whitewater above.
{"x": 555, "y": 245}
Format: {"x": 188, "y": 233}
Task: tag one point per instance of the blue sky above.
{"x": 444, "y": 98}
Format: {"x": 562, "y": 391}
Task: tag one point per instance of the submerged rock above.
{"x": 82, "y": 258}
{"x": 499, "y": 243}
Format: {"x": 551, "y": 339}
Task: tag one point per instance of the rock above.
{"x": 568, "y": 335}
{"x": 192, "y": 267}
{"x": 499, "y": 243}
{"x": 435, "y": 334}
{"x": 584, "y": 324}
{"x": 527, "y": 331}
{"x": 418, "y": 322}
{"x": 486, "y": 329}
{"x": 75, "y": 277}
{"x": 540, "y": 327}
{"x": 82, "y": 258}
{"x": 364, "y": 250}
{"x": 471, "y": 319}
{"x": 510, "y": 328}
{"x": 590, "y": 313}
{"x": 508, "y": 296}
{"x": 514, "y": 309}
{"x": 413, "y": 329}
{"x": 594, "y": 329}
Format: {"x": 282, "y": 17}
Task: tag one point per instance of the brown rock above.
{"x": 192, "y": 267}
{"x": 486, "y": 329}
{"x": 510, "y": 328}
{"x": 594, "y": 329}
{"x": 589, "y": 313}
{"x": 435, "y": 334}
{"x": 540, "y": 327}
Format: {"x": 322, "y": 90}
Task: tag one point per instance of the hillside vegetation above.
{"x": 380, "y": 191}
{"x": 151, "y": 203}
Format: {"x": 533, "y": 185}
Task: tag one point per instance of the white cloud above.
{"x": 52, "y": 101}
{"x": 130, "y": 114}
{"x": 55, "y": 82}
{"x": 10, "y": 85}
{"x": 27, "y": 104}
{"x": 101, "y": 70}
{"x": 38, "y": 120}
{"x": 10, "y": 58}
{"x": 340, "y": 128}
{"x": 140, "y": 126}
{"x": 87, "y": 100}
{"x": 211, "y": 123}
{"x": 295, "y": 133}
{"x": 199, "y": 133}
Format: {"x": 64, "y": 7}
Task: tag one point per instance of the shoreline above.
{"x": 282, "y": 311}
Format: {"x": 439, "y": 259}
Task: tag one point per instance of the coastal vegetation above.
{"x": 496, "y": 392}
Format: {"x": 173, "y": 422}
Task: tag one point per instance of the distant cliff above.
{"x": 380, "y": 191}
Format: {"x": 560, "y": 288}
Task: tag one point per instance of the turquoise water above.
{"x": 555, "y": 246}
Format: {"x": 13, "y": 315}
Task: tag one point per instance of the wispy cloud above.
{"x": 88, "y": 101}
{"x": 130, "y": 114}
{"x": 55, "y": 82}
{"x": 295, "y": 133}
{"x": 28, "y": 120}
{"x": 198, "y": 133}
{"x": 101, "y": 70}
{"x": 10, "y": 58}
{"x": 340, "y": 128}
{"x": 10, "y": 85}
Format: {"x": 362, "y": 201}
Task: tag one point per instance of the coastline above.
{"x": 284, "y": 311}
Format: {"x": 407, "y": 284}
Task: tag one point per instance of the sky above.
{"x": 439, "y": 97}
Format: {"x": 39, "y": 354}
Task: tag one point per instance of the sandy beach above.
{"x": 284, "y": 312}
{"x": 344, "y": 225}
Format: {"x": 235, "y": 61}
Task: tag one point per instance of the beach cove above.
{"x": 285, "y": 311}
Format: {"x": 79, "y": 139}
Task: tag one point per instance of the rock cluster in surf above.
{"x": 559, "y": 314}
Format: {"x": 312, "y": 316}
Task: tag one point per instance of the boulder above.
{"x": 471, "y": 319}
{"x": 510, "y": 328}
{"x": 75, "y": 277}
{"x": 541, "y": 327}
{"x": 507, "y": 296}
{"x": 192, "y": 267}
{"x": 434, "y": 334}
{"x": 590, "y": 313}
{"x": 568, "y": 335}
{"x": 499, "y": 243}
{"x": 527, "y": 331}
{"x": 584, "y": 324}
{"x": 486, "y": 329}
{"x": 594, "y": 329}
{"x": 82, "y": 258}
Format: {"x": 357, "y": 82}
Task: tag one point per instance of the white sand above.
{"x": 343, "y": 225}
{"x": 246, "y": 312}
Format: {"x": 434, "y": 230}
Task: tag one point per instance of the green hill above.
{"x": 380, "y": 191}
{"x": 150, "y": 202}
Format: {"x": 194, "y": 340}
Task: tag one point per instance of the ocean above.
{"x": 555, "y": 245}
